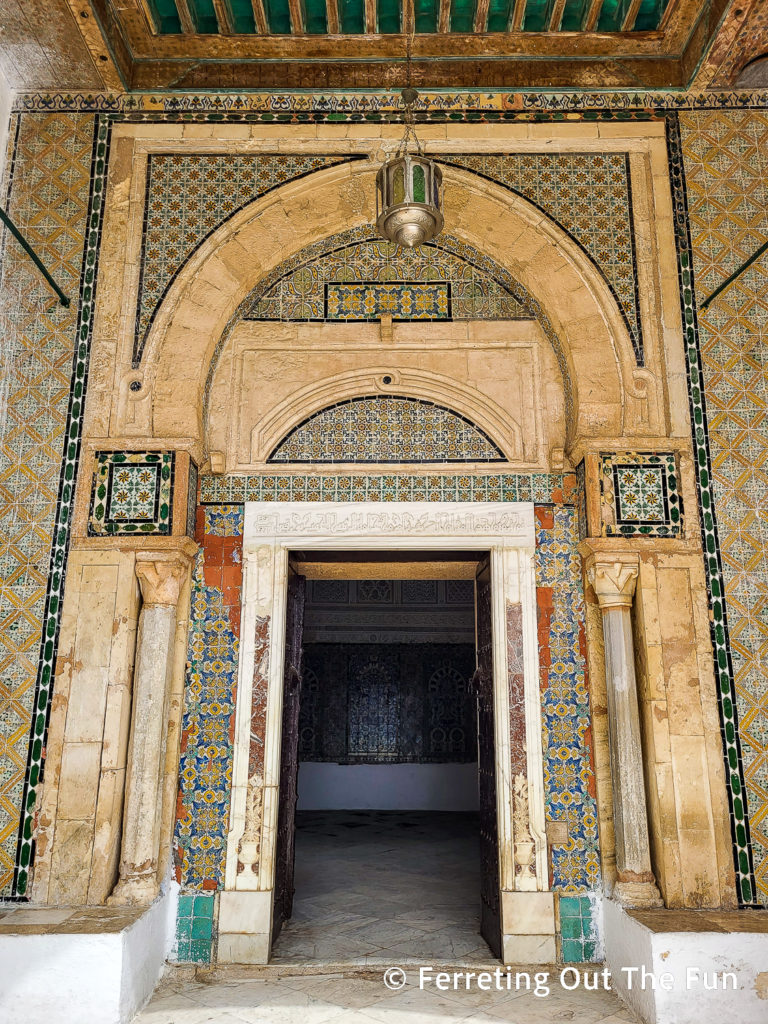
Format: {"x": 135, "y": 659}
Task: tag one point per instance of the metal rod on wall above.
{"x": 35, "y": 258}
{"x": 737, "y": 273}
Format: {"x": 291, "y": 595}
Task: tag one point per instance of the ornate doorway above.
{"x": 271, "y": 531}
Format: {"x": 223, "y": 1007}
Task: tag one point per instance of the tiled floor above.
{"x": 360, "y": 997}
{"x": 375, "y": 889}
{"x": 389, "y": 886}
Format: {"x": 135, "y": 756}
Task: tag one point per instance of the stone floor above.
{"x": 394, "y": 886}
{"x": 280, "y": 996}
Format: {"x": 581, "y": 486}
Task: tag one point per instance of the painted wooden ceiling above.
{"x": 499, "y": 45}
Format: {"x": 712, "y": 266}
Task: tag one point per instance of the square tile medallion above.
{"x": 639, "y": 495}
{"x": 132, "y": 494}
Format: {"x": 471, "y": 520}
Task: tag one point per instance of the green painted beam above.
{"x": 352, "y": 17}
{"x": 389, "y": 16}
{"x": 278, "y": 17}
{"x": 425, "y": 15}
{"x": 241, "y": 16}
{"x": 498, "y": 15}
{"x": 650, "y": 14}
{"x": 204, "y": 16}
{"x": 315, "y": 17}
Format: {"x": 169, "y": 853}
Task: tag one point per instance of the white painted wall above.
{"x": 387, "y": 787}
{"x": 91, "y": 978}
{"x": 628, "y": 944}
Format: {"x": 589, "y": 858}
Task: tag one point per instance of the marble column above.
{"x": 613, "y": 577}
{"x": 161, "y": 576}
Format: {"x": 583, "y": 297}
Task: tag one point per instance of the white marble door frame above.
{"x": 272, "y": 530}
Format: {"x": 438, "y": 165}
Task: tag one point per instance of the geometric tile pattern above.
{"x": 188, "y": 198}
{"x": 386, "y": 428}
{"x": 408, "y": 301}
{"x": 40, "y": 410}
{"x": 540, "y": 487}
{"x": 588, "y": 195}
{"x": 639, "y": 495}
{"x": 132, "y": 493}
{"x": 205, "y": 767}
{"x": 307, "y": 286}
{"x": 726, "y": 173}
{"x": 194, "y": 929}
{"x": 569, "y": 771}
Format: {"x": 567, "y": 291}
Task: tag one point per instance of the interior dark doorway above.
{"x": 387, "y": 817}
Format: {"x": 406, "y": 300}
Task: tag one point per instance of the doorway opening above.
{"x": 387, "y": 835}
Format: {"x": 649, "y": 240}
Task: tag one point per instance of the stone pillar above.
{"x": 613, "y": 577}
{"x": 161, "y": 575}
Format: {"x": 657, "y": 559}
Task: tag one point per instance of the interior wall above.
{"x": 387, "y": 787}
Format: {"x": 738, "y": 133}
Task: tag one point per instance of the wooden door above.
{"x": 289, "y": 756}
{"x": 490, "y": 913}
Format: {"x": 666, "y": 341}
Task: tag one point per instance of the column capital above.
{"x": 161, "y": 574}
{"x": 613, "y": 577}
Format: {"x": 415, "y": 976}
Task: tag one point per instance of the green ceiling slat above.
{"x": 165, "y": 17}
{"x": 537, "y": 14}
{"x": 498, "y": 15}
{"x": 278, "y": 17}
{"x": 241, "y": 16}
{"x": 204, "y": 17}
{"x": 612, "y": 15}
{"x": 388, "y": 16}
{"x": 352, "y": 16}
{"x": 425, "y": 15}
{"x": 574, "y": 15}
{"x": 315, "y": 17}
{"x": 650, "y": 14}
{"x": 463, "y": 15}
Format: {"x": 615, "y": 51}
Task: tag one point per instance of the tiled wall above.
{"x": 726, "y": 168}
{"x": 48, "y": 197}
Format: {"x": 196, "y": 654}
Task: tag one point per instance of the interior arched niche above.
{"x": 606, "y": 393}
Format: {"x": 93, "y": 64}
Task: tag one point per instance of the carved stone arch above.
{"x": 605, "y": 392}
{"x": 498, "y": 424}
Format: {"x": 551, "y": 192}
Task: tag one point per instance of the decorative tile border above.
{"x": 569, "y": 768}
{"x": 311, "y": 107}
{"x": 208, "y": 715}
{"x": 557, "y": 488}
{"x": 639, "y": 495}
{"x": 132, "y": 494}
{"x": 727, "y": 698}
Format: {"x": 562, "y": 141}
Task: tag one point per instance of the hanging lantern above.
{"x": 409, "y": 190}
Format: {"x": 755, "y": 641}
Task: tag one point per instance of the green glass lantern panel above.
{"x": 498, "y": 15}
{"x": 315, "y": 18}
{"x": 352, "y": 16}
{"x": 278, "y": 17}
{"x": 241, "y": 16}
{"x": 165, "y": 17}
{"x": 388, "y": 16}
{"x": 425, "y": 15}
{"x": 419, "y": 185}
{"x": 463, "y": 15}
{"x": 204, "y": 17}
{"x": 398, "y": 186}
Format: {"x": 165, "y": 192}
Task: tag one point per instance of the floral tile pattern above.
{"x": 386, "y": 428}
{"x": 588, "y": 194}
{"x": 569, "y": 772}
{"x": 413, "y": 300}
{"x": 41, "y": 391}
{"x": 205, "y": 767}
{"x": 132, "y": 493}
{"x": 726, "y": 169}
{"x": 188, "y": 197}
{"x": 639, "y": 495}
